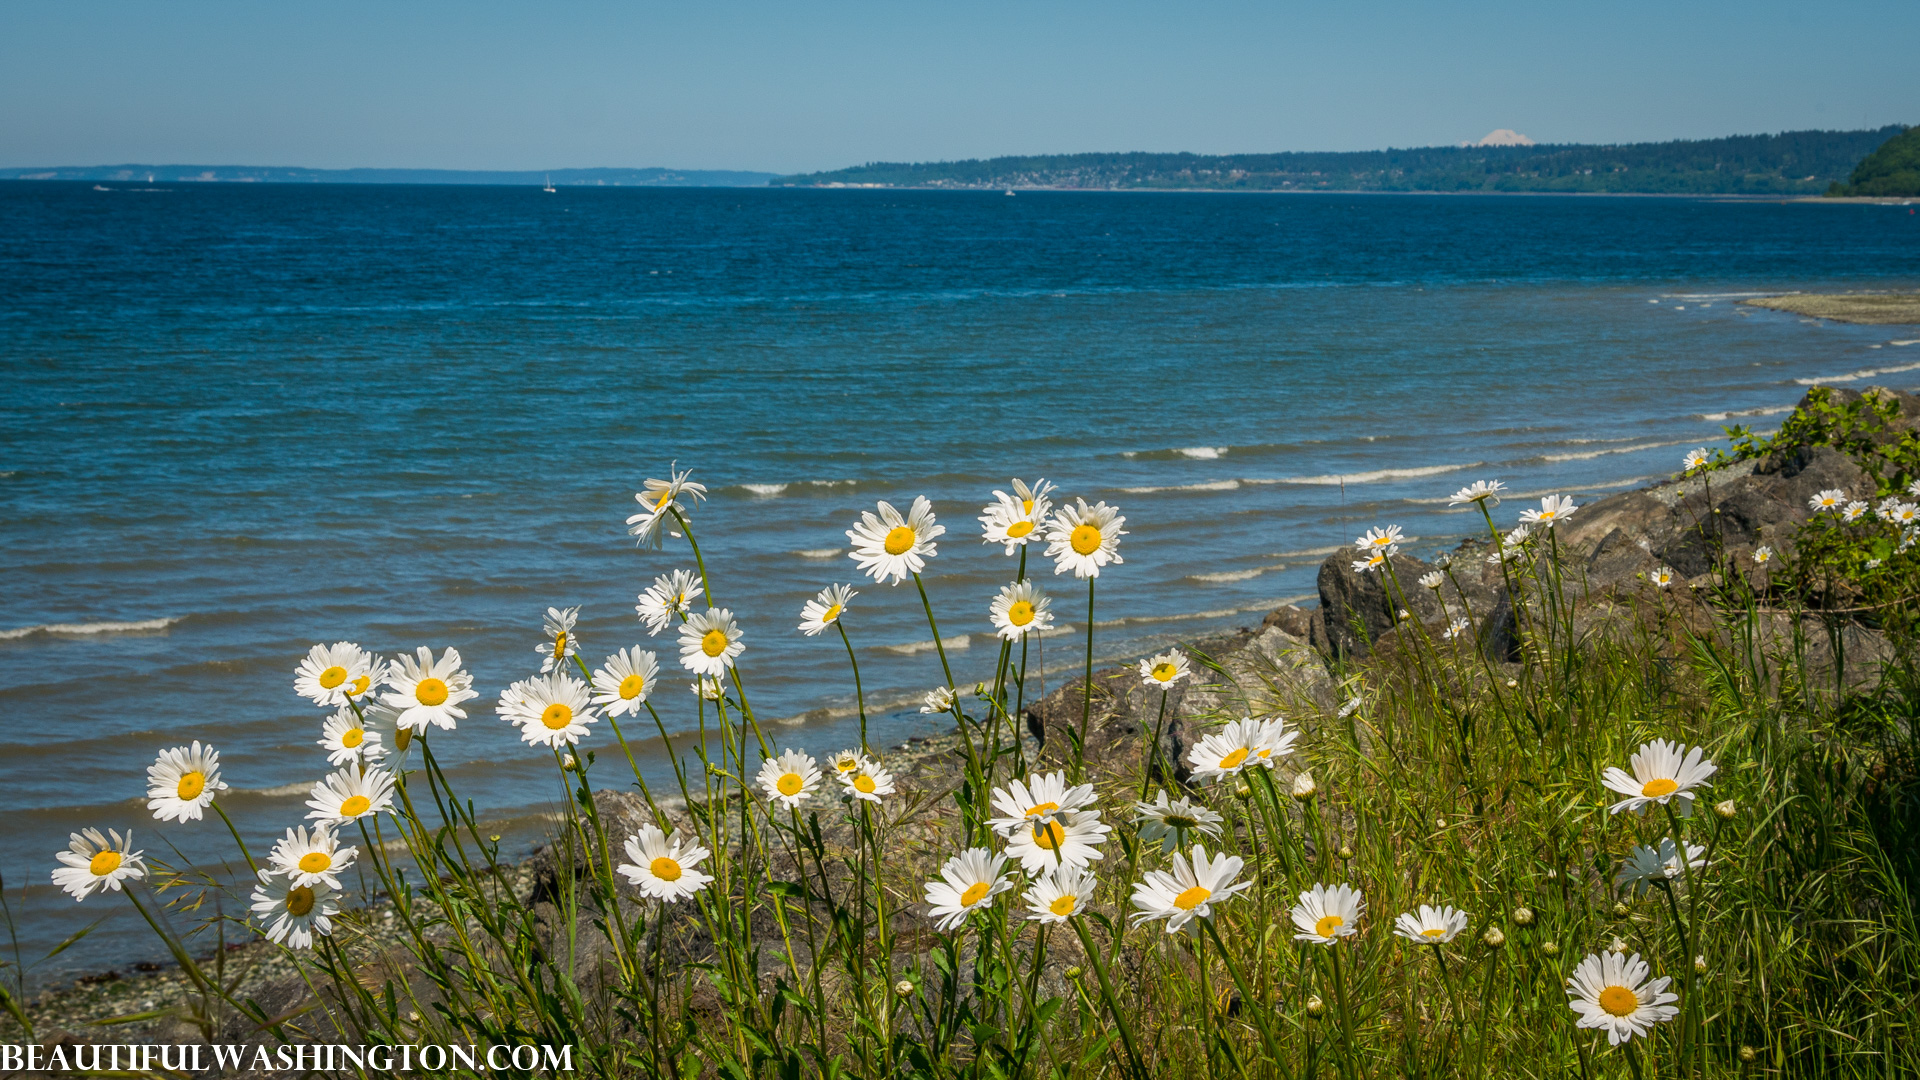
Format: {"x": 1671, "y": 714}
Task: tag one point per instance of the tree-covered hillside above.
{"x": 1892, "y": 170}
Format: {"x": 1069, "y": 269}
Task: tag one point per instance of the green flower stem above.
{"x": 1106, "y": 992}
{"x": 1346, "y": 1012}
{"x": 859, "y": 695}
{"x": 251, "y": 865}
{"x": 1086, "y": 700}
{"x": 1689, "y": 1023}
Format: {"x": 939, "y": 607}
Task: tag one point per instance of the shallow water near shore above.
{"x": 240, "y": 420}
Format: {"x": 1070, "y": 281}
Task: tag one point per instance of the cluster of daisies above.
{"x": 1893, "y": 510}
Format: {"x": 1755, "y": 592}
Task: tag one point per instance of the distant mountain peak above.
{"x": 1501, "y": 137}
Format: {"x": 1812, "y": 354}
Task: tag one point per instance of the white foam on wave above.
{"x": 818, "y": 553}
{"x": 1237, "y": 575}
{"x": 765, "y": 491}
{"x": 1216, "y": 613}
{"x": 1308, "y": 553}
{"x": 1201, "y": 453}
{"x": 1211, "y": 485}
{"x": 302, "y": 788}
{"x": 1855, "y": 376}
{"x": 1371, "y": 477}
{"x": 1730, "y": 413}
{"x": 1718, "y": 295}
{"x": 141, "y": 626}
{"x": 1588, "y": 455}
{"x": 958, "y": 641}
{"x": 1908, "y": 341}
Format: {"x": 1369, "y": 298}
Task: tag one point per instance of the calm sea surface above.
{"x": 240, "y": 420}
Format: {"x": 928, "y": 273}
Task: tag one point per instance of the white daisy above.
{"x": 1225, "y": 752}
{"x": 658, "y": 502}
{"x": 561, "y": 643}
{"x": 869, "y": 782}
{"x": 1695, "y": 459}
{"x": 1662, "y": 771}
{"x": 1611, "y": 992}
{"x": 1432, "y": 579}
{"x": 1431, "y": 925}
{"x": 1040, "y": 796}
{"x": 626, "y": 681}
{"x": 1480, "y": 491}
{"x": 182, "y": 782}
{"x": 346, "y": 739}
{"x": 1830, "y": 499}
{"x": 1006, "y": 522}
{"x": 1902, "y": 513}
{"x": 1325, "y": 915}
{"x": 1272, "y": 742}
{"x": 663, "y": 868}
{"x": 670, "y": 596}
{"x": 381, "y": 719}
{"x": 1059, "y": 895}
{"x": 789, "y": 778}
{"x": 709, "y": 642}
{"x": 1190, "y": 890}
{"x": 1035, "y": 501}
{"x": 1762, "y": 555}
{"x": 429, "y": 691}
{"x": 1512, "y": 545}
{"x": 92, "y": 863}
{"x": 1377, "y": 539}
{"x": 1553, "y": 510}
{"x": 1162, "y": 670}
{"x": 1661, "y": 576}
{"x": 292, "y": 913}
{"x": 1168, "y": 822}
{"x": 550, "y": 710}
{"x": 1084, "y": 538}
{"x": 333, "y": 674}
{"x": 1914, "y": 488}
{"x": 889, "y": 546}
{"x": 311, "y": 858}
{"x": 847, "y": 762}
{"x": 708, "y": 689}
{"x": 1020, "y": 609}
{"x": 938, "y": 700}
{"x": 1645, "y": 865}
{"x": 1456, "y": 628}
{"x": 1071, "y": 839}
{"x": 349, "y": 794}
{"x": 825, "y": 609}
{"x": 1373, "y": 560}
{"x": 1853, "y": 511}
{"x": 968, "y": 881}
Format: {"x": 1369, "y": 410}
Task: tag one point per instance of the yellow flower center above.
{"x": 430, "y": 692}
{"x": 315, "y": 861}
{"x": 299, "y": 901}
{"x": 191, "y": 785}
{"x": 402, "y": 739}
{"x": 1181, "y": 821}
{"x": 1085, "y": 539}
{"x": 104, "y": 863}
{"x": 974, "y": 894}
{"x": 333, "y": 677}
{"x": 1026, "y": 506}
{"x": 1020, "y": 528}
{"x": 1234, "y": 759}
{"x": 790, "y": 784}
{"x": 1619, "y": 1001}
{"x": 352, "y": 737}
{"x": 560, "y": 643}
{"x": 830, "y": 614}
{"x": 1064, "y": 905}
{"x": 1192, "y": 898}
{"x": 1328, "y": 924}
{"x": 1049, "y": 835}
{"x": 1654, "y": 789}
{"x": 359, "y": 686}
{"x": 631, "y": 686}
{"x": 665, "y": 869}
{"x": 847, "y": 764}
{"x": 355, "y": 805}
{"x": 864, "y": 784}
{"x": 1021, "y": 613}
{"x": 557, "y": 716}
{"x": 714, "y": 642}
{"x": 1042, "y": 808}
{"x": 899, "y": 539}
{"x": 1436, "y": 932}
{"x": 1164, "y": 672}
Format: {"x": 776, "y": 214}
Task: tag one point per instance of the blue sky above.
{"x": 799, "y": 86}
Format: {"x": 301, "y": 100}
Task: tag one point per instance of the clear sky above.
{"x": 790, "y": 86}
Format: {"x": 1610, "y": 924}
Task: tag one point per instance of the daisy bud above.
{"x": 1303, "y": 787}
{"x": 1725, "y": 809}
{"x": 1345, "y": 852}
{"x": 1549, "y": 948}
{"x": 1072, "y": 973}
{"x": 1511, "y": 683}
{"x": 1700, "y": 964}
{"x": 1553, "y": 875}
{"x": 1493, "y": 937}
{"x": 1315, "y": 1007}
{"x": 1749, "y": 1055}
{"x": 1439, "y": 823}
{"x": 1621, "y": 911}
{"x": 1523, "y": 916}
{"x": 570, "y": 763}
{"x": 1618, "y": 947}
{"x": 495, "y": 838}
{"x": 903, "y": 988}
{"x": 1242, "y": 790}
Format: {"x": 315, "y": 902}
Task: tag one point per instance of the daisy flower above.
{"x": 1084, "y": 538}
{"x": 1553, "y": 510}
{"x": 968, "y": 882}
{"x": 938, "y": 700}
{"x": 1662, "y": 771}
{"x": 1431, "y": 925}
{"x": 311, "y": 858}
{"x": 1034, "y": 501}
{"x": 709, "y": 642}
{"x": 663, "y": 868}
{"x": 561, "y": 643}
{"x": 1325, "y": 915}
{"x": 658, "y": 502}
{"x": 1020, "y": 609}
{"x": 789, "y": 778}
{"x": 1661, "y": 576}
{"x": 1853, "y": 511}
{"x": 346, "y": 738}
{"x": 92, "y": 863}
{"x": 1902, "y": 513}
{"x": 1374, "y": 560}
{"x": 1040, "y": 797}
{"x": 626, "y": 681}
{"x": 1762, "y": 555}
{"x": 1162, "y": 670}
{"x": 333, "y": 674}
{"x": 1914, "y": 488}
{"x": 349, "y": 794}
{"x": 1006, "y": 522}
{"x": 1386, "y": 539}
{"x": 182, "y": 782}
{"x": 707, "y": 689}
{"x": 1480, "y": 491}
{"x": 1694, "y": 459}
{"x": 847, "y": 762}
{"x": 550, "y": 710}
{"x": 429, "y": 691}
{"x": 1195, "y": 884}
{"x": 1611, "y": 992}
{"x": 825, "y": 609}
{"x": 889, "y": 546}
{"x": 1272, "y": 742}
{"x": 670, "y": 595}
{"x": 1646, "y": 865}
{"x": 1432, "y": 579}
{"x": 1225, "y": 752}
{"x": 1069, "y": 839}
{"x": 1167, "y": 822}
{"x": 869, "y": 782}
{"x": 292, "y": 913}
{"x": 1060, "y": 895}
{"x": 1830, "y": 499}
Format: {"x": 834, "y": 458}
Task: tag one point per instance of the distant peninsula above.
{"x": 252, "y": 174}
{"x": 1790, "y": 163}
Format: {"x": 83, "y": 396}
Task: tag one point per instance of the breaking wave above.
{"x": 141, "y": 626}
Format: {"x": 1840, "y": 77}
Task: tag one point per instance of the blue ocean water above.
{"x": 239, "y": 420}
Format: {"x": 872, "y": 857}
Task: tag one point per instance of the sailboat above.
{"x": 549, "y": 189}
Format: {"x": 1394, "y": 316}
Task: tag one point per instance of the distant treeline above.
{"x": 258, "y": 174}
{"x": 1790, "y": 163}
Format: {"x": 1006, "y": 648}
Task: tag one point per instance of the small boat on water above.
{"x": 1009, "y": 191}
{"x": 549, "y": 189}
